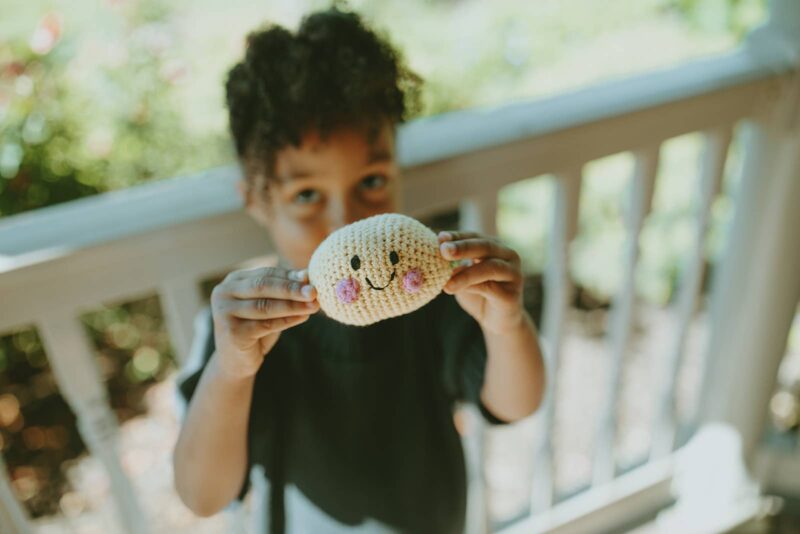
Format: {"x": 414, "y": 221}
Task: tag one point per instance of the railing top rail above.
{"x": 32, "y": 237}
{"x": 451, "y": 134}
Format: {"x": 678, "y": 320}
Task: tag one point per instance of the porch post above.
{"x": 758, "y": 283}
{"x": 777, "y": 43}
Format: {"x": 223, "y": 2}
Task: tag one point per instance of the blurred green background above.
{"x": 99, "y": 95}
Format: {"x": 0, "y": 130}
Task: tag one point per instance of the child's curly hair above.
{"x": 333, "y": 72}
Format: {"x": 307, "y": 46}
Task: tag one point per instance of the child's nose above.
{"x": 341, "y": 213}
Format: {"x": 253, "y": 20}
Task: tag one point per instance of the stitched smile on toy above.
{"x": 359, "y": 274}
{"x": 355, "y": 263}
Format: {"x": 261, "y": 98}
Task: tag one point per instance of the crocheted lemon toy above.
{"x": 379, "y": 267}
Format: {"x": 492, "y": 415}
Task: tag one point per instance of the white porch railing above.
{"x": 166, "y": 236}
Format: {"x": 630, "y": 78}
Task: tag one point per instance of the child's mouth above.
{"x": 387, "y": 283}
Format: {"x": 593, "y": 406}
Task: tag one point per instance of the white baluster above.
{"x": 71, "y": 357}
{"x": 756, "y": 290}
{"x": 13, "y": 518}
{"x": 713, "y": 165}
{"x": 479, "y": 214}
{"x": 559, "y": 289}
{"x": 180, "y": 300}
{"x": 641, "y": 193}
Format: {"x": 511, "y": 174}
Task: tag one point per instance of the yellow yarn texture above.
{"x": 379, "y": 267}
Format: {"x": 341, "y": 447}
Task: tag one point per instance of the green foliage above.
{"x": 38, "y": 435}
{"x": 40, "y": 130}
{"x": 733, "y": 16}
{"x": 37, "y": 428}
{"x": 68, "y": 133}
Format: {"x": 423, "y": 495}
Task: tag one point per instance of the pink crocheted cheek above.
{"x": 413, "y": 280}
{"x": 347, "y": 290}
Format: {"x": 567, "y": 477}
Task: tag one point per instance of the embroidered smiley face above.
{"x": 380, "y": 267}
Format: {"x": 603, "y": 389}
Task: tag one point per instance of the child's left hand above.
{"x": 490, "y": 287}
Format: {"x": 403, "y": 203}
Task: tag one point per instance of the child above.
{"x": 352, "y": 426}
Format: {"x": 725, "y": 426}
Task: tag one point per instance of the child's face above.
{"x": 322, "y": 185}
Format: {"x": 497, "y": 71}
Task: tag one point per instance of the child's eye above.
{"x": 306, "y": 196}
{"x": 373, "y": 181}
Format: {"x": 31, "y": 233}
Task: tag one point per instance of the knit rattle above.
{"x": 376, "y": 268}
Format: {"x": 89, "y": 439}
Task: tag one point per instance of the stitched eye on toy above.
{"x": 355, "y": 263}
{"x": 393, "y": 257}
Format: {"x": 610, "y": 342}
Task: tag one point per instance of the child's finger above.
{"x": 457, "y": 269}
{"x": 280, "y": 272}
{"x": 258, "y": 328}
{"x": 491, "y": 269}
{"x": 264, "y": 308}
{"x": 265, "y": 286}
{"x": 451, "y": 235}
{"x": 491, "y": 290}
{"x": 298, "y": 275}
{"x": 279, "y": 325}
{"x": 474, "y": 248}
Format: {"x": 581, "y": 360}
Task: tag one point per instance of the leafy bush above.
{"x": 68, "y": 133}
{"x": 38, "y": 435}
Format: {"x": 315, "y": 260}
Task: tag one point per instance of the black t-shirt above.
{"x": 359, "y": 419}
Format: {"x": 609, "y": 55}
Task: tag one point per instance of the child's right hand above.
{"x": 251, "y": 308}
